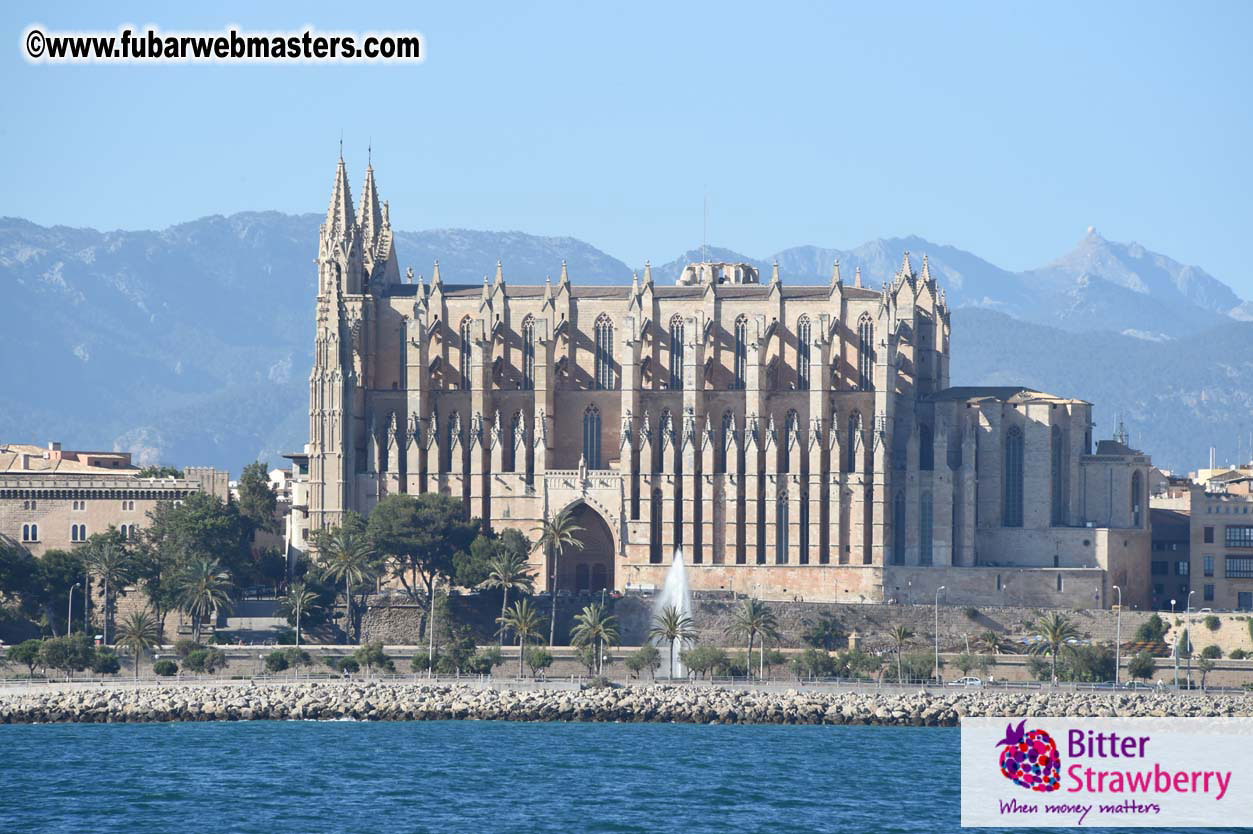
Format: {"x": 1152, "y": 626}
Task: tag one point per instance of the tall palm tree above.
{"x": 1054, "y": 631}
{"x": 993, "y": 641}
{"x": 347, "y": 556}
{"x": 509, "y": 572}
{"x": 901, "y": 635}
{"x": 138, "y": 633}
{"x": 525, "y": 623}
{"x": 673, "y": 626}
{"x": 112, "y": 565}
{"x": 203, "y": 590}
{"x": 752, "y": 620}
{"x": 595, "y": 627}
{"x": 298, "y": 601}
{"x": 555, "y": 535}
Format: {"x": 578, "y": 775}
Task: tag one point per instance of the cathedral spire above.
{"x": 339, "y": 216}
{"x": 500, "y": 274}
{"x": 835, "y": 274}
{"x": 371, "y": 214}
{"x": 774, "y": 272}
{"x": 857, "y": 277}
{"x": 635, "y": 284}
{"x": 926, "y": 270}
{"x": 436, "y": 281}
{"x": 565, "y": 276}
{"x": 648, "y": 273}
{"x": 907, "y": 269}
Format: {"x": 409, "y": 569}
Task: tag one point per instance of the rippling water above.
{"x": 453, "y": 777}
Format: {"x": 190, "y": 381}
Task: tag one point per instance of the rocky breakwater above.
{"x": 367, "y": 701}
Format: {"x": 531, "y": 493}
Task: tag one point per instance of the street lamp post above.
{"x": 1118, "y": 638}
{"x": 1187, "y": 628}
{"x": 69, "y": 613}
{"x": 937, "y": 632}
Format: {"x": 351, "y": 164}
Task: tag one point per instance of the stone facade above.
{"x": 1218, "y": 555}
{"x": 795, "y": 440}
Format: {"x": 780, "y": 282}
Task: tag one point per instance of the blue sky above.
{"x": 1005, "y": 129}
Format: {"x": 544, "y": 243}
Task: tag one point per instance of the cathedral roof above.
{"x": 1013, "y": 394}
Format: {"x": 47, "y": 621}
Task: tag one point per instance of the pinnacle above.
{"x": 339, "y": 215}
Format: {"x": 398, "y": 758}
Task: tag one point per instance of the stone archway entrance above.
{"x": 589, "y": 569}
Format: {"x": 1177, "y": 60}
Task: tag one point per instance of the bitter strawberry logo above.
{"x": 1030, "y": 758}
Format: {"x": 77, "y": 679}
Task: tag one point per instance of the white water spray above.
{"x": 675, "y": 592}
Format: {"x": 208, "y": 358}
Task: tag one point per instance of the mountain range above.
{"x": 192, "y": 344}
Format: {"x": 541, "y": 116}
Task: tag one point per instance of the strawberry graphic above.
{"x": 1030, "y": 758}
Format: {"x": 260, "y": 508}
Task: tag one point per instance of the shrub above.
{"x": 72, "y": 653}
{"x": 1183, "y": 646}
{"x": 165, "y": 668}
{"x": 25, "y": 654}
{"x": 1211, "y": 652}
{"x": 1039, "y": 668}
{"x": 826, "y": 633}
{"x": 1213, "y": 623}
{"x": 1086, "y": 664}
{"x": 372, "y": 656}
{"x": 484, "y": 661}
{"x": 184, "y": 647}
{"x": 919, "y": 666}
{"x": 106, "y": 663}
{"x": 701, "y": 660}
{"x": 968, "y": 662}
{"x": 538, "y": 658}
{"x": 599, "y": 682}
{"x": 857, "y": 664}
{"x": 645, "y": 657}
{"x": 813, "y": 663}
{"x": 285, "y": 636}
{"x": 276, "y": 662}
{"x": 1142, "y": 666}
{"x": 420, "y": 662}
{"x": 1151, "y": 630}
{"x": 971, "y": 612}
{"x": 297, "y": 657}
{"x": 207, "y": 660}
{"x": 1238, "y": 654}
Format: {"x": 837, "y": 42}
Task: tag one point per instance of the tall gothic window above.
{"x": 1057, "y": 471}
{"x": 465, "y": 354}
{"x": 591, "y": 437}
{"x": 925, "y": 525}
{"x": 528, "y": 353}
{"x": 604, "y": 352}
{"x": 898, "y": 529}
{"x": 741, "y": 351}
{"x": 803, "y": 334}
{"x": 1012, "y": 514}
{"x": 926, "y": 448}
{"x": 654, "y": 529}
{"x": 865, "y": 353}
{"x": 1137, "y": 500}
{"x": 804, "y": 527}
{"x": 676, "y": 352}
{"x": 781, "y": 529}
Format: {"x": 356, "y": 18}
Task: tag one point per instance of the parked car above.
{"x": 969, "y": 680}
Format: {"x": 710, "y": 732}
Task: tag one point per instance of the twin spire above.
{"x": 340, "y": 217}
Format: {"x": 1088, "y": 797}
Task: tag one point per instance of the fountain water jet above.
{"x": 675, "y": 592}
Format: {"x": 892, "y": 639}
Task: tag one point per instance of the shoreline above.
{"x": 655, "y": 703}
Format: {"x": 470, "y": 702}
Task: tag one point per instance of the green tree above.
{"x": 203, "y": 591}
{"x": 900, "y": 636}
{"x": 26, "y": 653}
{"x": 509, "y": 570}
{"x": 372, "y": 656}
{"x": 48, "y": 584}
{"x": 160, "y": 472}
{"x": 156, "y": 570}
{"x": 701, "y": 660}
{"x": 556, "y": 534}
{"x": 1142, "y": 666}
{"x": 750, "y": 620}
{"x": 1204, "y": 665}
{"x": 1211, "y": 652}
{"x": 813, "y": 663}
{"x": 297, "y": 603}
{"x": 347, "y": 557}
{"x": 165, "y": 668}
{"x": 538, "y": 659}
{"x": 1151, "y": 630}
{"x": 675, "y": 628}
{"x": 18, "y": 569}
{"x": 596, "y": 628}
{"x": 68, "y": 654}
{"x": 1054, "y": 632}
{"x": 524, "y": 621}
{"x": 138, "y": 633}
{"x": 471, "y": 567}
{"x": 645, "y": 657}
{"x": 208, "y": 660}
{"x": 257, "y": 500}
{"x": 105, "y": 663}
{"x": 109, "y": 561}
{"x": 824, "y": 633}
{"x": 994, "y": 642}
{"x": 202, "y": 526}
{"x": 859, "y": 664}
{"x": 276, "y": 662}
{"x": 968, "y": 662}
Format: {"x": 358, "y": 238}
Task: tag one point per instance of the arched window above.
{"x": 1012, "y": 513}
{"x": 654, "y": 529}
{"x": 854, "y": 429}
{"x": 865, "y": 353}
{"x": 676, "y": 352}
{"x": 728, "y": 432}
{"x": 741, "y": 351}
{"x": 604, "y": 352}
{"x": 1057, "y": 473}
{"x": 528, "y": 353}
{"x": 1137, "y": 500}
{"x": 781, "y": 529}
{"x": 803, "y": 335}
{"x": 591, "y": 437}
{"x": 465, "y": 354}
{"x": 898, "y": 529}
{"x": 925, "y": 525}
{"x": 926, "y": 448}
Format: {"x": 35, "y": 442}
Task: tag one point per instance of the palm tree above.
{"x": 673, "y": 626}
{"x": 753, "y": 619}
{"x": 593, "y": 626}
{"x": 298, "y": 601}
{"x": 555, "y": 535}
{"x": 524, "y": 621}
{"x": 138, "y": 633}
{"x": 993, "y": 641}
{"x": 509, "y": 572}
{"x": 348, "y": 556}
{"x": 112, "y": 565}
{"x": 203, "y": 590}
{"x": 900, "y": 636}
{"x": 1055, "y": 632}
